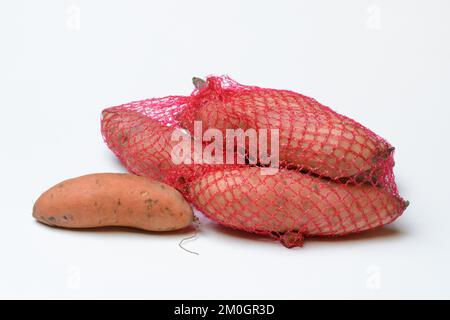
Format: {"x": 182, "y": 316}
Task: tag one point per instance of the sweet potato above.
{"x": 311, "y": 135}
{"x": 142, "y": 143}
{"x": 113, "y": 199}
{"x": 145, "y": 146}
{"x": 242, "y": 198}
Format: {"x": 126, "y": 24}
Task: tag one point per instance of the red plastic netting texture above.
{"x": 333, "y": 177}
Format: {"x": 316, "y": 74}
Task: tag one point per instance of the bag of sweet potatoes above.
{"x": 266, "y": 161}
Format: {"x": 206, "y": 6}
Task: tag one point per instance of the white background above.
{"x": 384, "y": 63}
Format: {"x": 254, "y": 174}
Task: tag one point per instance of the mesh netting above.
{"x": 334, "y": 176}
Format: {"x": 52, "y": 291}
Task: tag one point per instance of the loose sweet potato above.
{"x": 113, "y": 199}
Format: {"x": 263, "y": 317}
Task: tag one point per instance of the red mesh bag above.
{"x": 332, "y": 175}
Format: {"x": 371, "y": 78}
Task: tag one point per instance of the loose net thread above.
{"x": 335, "y": 176}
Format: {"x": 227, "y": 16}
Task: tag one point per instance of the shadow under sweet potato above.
{"x": 113, "y": 229}
{"x": 390, "y": 232}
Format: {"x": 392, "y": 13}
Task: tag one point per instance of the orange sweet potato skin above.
{"x": 113, "y": 199}
{"x": 311, "y": 135}
{"x": 244, "y": 199}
